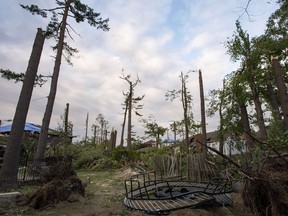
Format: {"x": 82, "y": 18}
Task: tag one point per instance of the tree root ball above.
{"x": 56, "y": 191}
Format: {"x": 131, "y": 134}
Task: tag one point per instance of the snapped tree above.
{"x": 130, "y": 103}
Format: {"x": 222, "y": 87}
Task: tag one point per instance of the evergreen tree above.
{"x": 80, "y": 13}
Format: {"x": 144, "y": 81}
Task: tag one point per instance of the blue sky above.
{"x": 155, "y": 40}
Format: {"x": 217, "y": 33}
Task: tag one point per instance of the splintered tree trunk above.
{"x": 203, "y": 117}
{"x": 129, "y": 128}
{"x": 43, "y": 138}
{"x": 9, "y": 171}
{"x": 278, "y": 75}
{"x": 123, "y": 126}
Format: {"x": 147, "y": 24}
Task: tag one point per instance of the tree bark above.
{"x": 43, "y": 138}
{"x": 221, "y": 134}
{"x": 283, "y": 96}
{"x": 123, "y": 126}
{"x": 246, "y": 126}
{"x": 203, "y": 116}
{"x": 185, "y": 109}
{"x": 129, "y": 128}
{"x": 272, "y": 99}
{"x": 9, "y": 171}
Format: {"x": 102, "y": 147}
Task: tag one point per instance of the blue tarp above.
{"x": 169, "y": 141}
{"x": 28, "y": 127}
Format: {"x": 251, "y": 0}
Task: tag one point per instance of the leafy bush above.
{"x": 124, "y": 155}
{"x": 85, "y": 156}
{"x": 106, "y": 164}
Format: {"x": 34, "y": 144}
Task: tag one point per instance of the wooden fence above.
{"x": 192, "y": 167}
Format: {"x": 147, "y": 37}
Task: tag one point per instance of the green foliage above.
{"x": 147, "y": 155}
{"x": 85, "y": 156}
{"x": 278, "y": 138}
{"x": 19, "y": 77}
{"x": 124, "y": 155}
{"x": 79, "y": 11}
{"x": 106, "y": 164}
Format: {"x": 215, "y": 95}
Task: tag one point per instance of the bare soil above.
{"x": 104, "y": 197}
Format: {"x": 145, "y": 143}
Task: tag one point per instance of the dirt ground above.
{"x": 104, "y": 196}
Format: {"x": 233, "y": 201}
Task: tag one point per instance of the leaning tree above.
{"x": 58, "y": 30}
{"x": 9, "y": 170}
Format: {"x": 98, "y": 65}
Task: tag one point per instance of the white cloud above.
{"x": 155, "y": 40}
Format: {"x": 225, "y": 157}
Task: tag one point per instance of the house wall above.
{"x": 230, "y": 147}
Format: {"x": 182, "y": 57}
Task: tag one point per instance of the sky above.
{"x": 154, "y": 40}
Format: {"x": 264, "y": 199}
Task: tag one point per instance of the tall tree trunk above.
{"x": 86, "y": 129}
{"x": 66, "y": 132}
{"x": 246, "y": 126}
{"x": 185, "y": 109}
{"x": 9, "y": 171}
{"x": 259, "y": 114}
{"x": 221, "y": 132}
{"x": 203, "y": 116}
{"x": 43, "y": 138}
{"x": 255, "y": 97}
{"x": 129, "y": 130}
{"x": 283, "y": 96}
{"x": 123, "y": 126}
{"x": 272, "y": 99}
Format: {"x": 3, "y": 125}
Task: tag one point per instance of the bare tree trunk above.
{"x": 43, "y": 138}
{"x": 185, "y": 109}
{"x": 86, "y": 129}
{"x": 203, "y": 116}
{"x": 129, "y": 130}
{"x": 221, "y": 134}
{"x": 278, "y": 75}
{"x": 9, "y": 171}
{"x": 123, "y": 126}
{"x": 66, "y": 141}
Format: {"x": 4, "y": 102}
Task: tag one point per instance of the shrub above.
{"x": 124, "y": 155}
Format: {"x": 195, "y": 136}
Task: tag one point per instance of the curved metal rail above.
{"x": 164, "y": 196}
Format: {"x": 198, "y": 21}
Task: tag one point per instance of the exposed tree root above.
{"x": 267, "y": 192}
{"x": 63, "y": 185}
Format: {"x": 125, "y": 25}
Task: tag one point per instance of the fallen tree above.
{"x": 265, "y": 180}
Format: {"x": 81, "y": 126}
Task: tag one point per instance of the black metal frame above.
{"x": 139, "y": 196}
